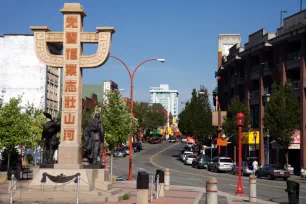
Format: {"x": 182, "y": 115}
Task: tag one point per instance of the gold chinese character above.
{"x": 68, "y": 135}
{"x": 70, "y": 101}
{"x": 71, "y": 53}
{"x": 71, "y": 70}
{"x": 69, "y": 119}
{"x": 71, "y": 22}
{"x": 70, "y": 86}
{"x": 71, "y": 37}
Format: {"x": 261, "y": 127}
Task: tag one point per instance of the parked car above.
{"x": 184, "y": 139}
{"x": 172, "y": 139}
{"x": 218, "y": 164}
{"x": 272, "y": 171}
{"x": 186, "y": 148}
{"x": 119, "y": 152}
{"x": 245, "y": 169}
{"x": 201, "y": 162}
{"x": 189, "y": 144}
{"x": 155, "y": 140}
{"x": 136, "y": 147}
{"x": 126, "y": 150}
{"x": 189, "y": 159}
{"x": 184, "y": 155}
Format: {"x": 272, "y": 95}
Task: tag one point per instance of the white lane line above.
{"x": 236, "y": 185}
{"x": 195, "y": 179}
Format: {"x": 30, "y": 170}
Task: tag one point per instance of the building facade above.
{"x": 98, "y": 89}
{"x": 168, "y": 98}
{"x": 249, "y": 72}
{"x": 22, "y": 74}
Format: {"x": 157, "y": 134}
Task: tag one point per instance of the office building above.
{"x": 22, "y": 74}
{"x": 168, "y": 98}
{"x": 99, "y": 90}
{"x": 249, "y": 71}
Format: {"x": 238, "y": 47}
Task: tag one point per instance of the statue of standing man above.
{"x": 93, "y": 140}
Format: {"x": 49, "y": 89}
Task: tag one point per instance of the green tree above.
{"x": 15, "y": 126}
{"x": 117, "y": 120}
{"x": 230, "y": 123}
{"x": 282, "y": 115}
{"x": 196, "y": 118}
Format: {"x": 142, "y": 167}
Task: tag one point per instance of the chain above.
{"x": 93, "y": 186}
{"x": 48, "y": 188}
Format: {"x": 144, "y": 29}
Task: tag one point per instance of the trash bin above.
{"x": 293, "y": 190}
{"x": 142, "y": 180}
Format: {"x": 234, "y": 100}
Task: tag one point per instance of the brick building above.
{"x": 249, "y": 71}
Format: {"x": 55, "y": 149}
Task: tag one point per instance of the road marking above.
{"x": 195, "y": 179}
{"x": 182, "y": 172}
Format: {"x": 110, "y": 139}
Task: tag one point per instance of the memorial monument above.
{"x": 70, "y": 149}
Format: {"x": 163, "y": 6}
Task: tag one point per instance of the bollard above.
{"x": 12, "y": 187}
{"x": 78, "y": 189}
{"x": 252, "y": 196}
{"x": 157, "y": 187}
{"x": 152, "y": 186}
{"x": 211, "y": 191}
{"x": 142, "y": 187}
{"x": 167, "y": 179}
{"x": 160, "y": 176}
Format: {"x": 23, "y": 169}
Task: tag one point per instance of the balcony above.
{"x": 295, "y": 86}
{"x": 268, "y": 68}
{"x": 293, "y": 60}
{"x": 255, "y": 72}
{"x": 254, "y": 97}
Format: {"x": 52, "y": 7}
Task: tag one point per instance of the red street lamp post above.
{"x": 255, "y": 136}
{"x": 219, "y": 118}
{"x": 240, "y": 122}
{"x": 131, "y": 75}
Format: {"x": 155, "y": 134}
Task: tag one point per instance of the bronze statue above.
{"x": 93, "y": 140}
{"x": 49, "y": 139}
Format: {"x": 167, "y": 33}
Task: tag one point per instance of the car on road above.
{"x": 245, "y": 169}
{"x": 187, "y": 148}
{"x": 219, "y": 164}
{"x": 126, "y": 150}
{"x": 155, "y": 140}
{"x": 171, "y": 139}
{"x": 189, "y": 144}
{"x": 184, "y": 139}
{"x": 273, "y": 171}
{"x": 201, "y": 162}
{"x": 119, "y": 152}
{"x": 184, "y": 155}
{"x": 136, "y": 147}
{"x": 189, "y": 159}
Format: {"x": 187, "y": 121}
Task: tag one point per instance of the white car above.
{"x": 184, "y": 139}
{"x": 189, "y": 159}
{"x": 184, "y": 155}
{"x": 189, "y": 144}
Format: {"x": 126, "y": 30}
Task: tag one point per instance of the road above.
{"x": 165, "y": 155}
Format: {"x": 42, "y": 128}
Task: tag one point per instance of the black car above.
{"x": 137, "y": 147}
{"x": 172, "y": 139}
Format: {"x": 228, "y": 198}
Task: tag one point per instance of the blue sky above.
{"x": 183, "y": 32}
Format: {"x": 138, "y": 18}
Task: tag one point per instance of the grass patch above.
{"x": 126, "y": 197}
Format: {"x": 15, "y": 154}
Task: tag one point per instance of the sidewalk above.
{"x": 182, "y": 195}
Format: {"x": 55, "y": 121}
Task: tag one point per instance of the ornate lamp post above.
{"x": 131, "y": 75}
{"x": 255, "y": 137}
{"x": 240, "y": 123}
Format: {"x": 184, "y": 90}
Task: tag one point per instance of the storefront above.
{"x": 250, "y": 143}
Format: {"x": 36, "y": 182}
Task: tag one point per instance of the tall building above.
{"x": 22, "y": 74}
{"x": 98, "y": 89}
{"x": 168, "y": 98}
{"x": 249, "y": 71}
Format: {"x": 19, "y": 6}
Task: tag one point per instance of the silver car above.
{"x": 184, "y": 155}
{"x": 218, "y": 164}
{"x": 189, "y": 159}
{"x": 245, "y": 169}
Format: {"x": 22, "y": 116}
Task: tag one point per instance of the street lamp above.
{"x": 281, "y": 17}
{"x": 240, "y": 123}
{"x": 266, "y": 100}
{"x": 219, "y": 117}
{"x": 255, "y": 136}
{"x": 131, "y": 75}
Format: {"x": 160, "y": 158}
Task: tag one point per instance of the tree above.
{"x": 230, "y": 123}
{"x": 15, "y": 126}
{"x": 196, "y": 118}
{"x": 282, "y": 115}
{"x": 118, "y": 122}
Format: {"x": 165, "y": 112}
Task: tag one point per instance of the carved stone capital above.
{"x": 54, "y": 37}
{"x": 42, "y": 51}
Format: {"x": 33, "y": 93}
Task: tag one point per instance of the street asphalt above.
{"x": 165, "y": 155}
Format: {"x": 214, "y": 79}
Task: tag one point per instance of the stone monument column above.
{"x": 72, "y": 61}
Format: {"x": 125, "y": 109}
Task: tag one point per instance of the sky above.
{"x": 184, "y": 32}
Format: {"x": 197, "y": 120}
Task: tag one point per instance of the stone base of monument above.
{"x": 95, "y": 187}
